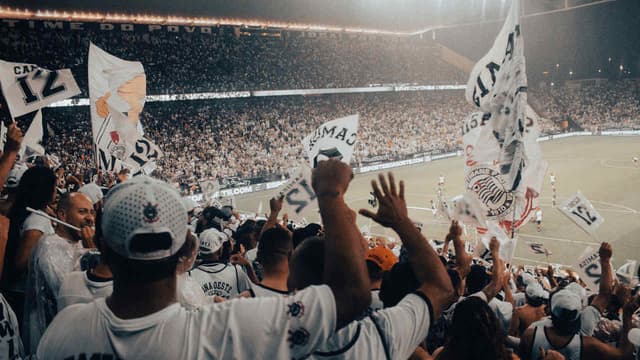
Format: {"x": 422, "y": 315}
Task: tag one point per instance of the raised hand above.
{"x": 455, "y": 230}
{"x": 275, "y": 204}
{"x": 605, "y": 251}
{"x": 331, "y": 178}
{"x": 14, "y": 138}
{"x": 392, "y": 207}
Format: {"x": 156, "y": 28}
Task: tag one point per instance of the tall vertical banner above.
{"x": 504, "y": 168}
{"x": 498, "y": 85}
{"x": 117, "y": 90}
{"x": 589, "y": 268}
{"x": 28, "y": 87}
{"x": 579, "y": 209}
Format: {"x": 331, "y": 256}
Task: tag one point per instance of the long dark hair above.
{"x": 35, "y": 190}
{"x": 475, "y": 333}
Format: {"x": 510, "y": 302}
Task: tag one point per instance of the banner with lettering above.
{"x": 589, "y": 268}
{"x": 333, "y": 139}
{"x": 299, "y": 196}
{"x": 579, "y": 209}
{"x": 498, "y": 85}
{"x": 117, "y": 89}
{"x": 28, "y": 87}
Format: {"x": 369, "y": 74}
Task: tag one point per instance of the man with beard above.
{"x": 55, "y": 256}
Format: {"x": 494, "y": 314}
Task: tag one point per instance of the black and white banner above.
{"x": 28, "y": 87}
{"x": 299, "y": 196}
{"x": 117, "y": 90}
{"x": 498, "y": 85}
{"x": 579, "y": 209}
{"x": 589, "y": 269}
{"x": 333, "y": 139}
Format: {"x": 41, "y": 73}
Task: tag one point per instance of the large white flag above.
{"x": 28, "y": 87}
{"x": 333, "y": 139}
{"x": 579, "y": 209}
{"x": 498, "y": 85}
{"x": 117, "y": 90}
{"x": 482, "y": 173}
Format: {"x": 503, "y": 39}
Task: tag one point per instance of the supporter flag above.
{"x": 117, "y": 90}
{"x": 28, "y": 87}
{"x": 299, "y": 197}
{"x": 579, "y": 209}
{"x": 498, "y": 85}
{"x": 589, "y": 269}
{"x": 33, "y": 138}
{"x": 627, "y": 273}
{"x": 333, "y": 139}
{"x": 467, "y": 210}
{"x": 504, "y": 167}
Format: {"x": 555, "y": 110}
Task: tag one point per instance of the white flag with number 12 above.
{"x": 579, "y": 209}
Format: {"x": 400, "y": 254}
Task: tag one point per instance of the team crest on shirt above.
{"x": 296, "y": 309}
{"x": 299, "y": 337}
{"x": 150, "y": 213}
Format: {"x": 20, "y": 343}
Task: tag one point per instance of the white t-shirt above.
{"x": 219, "y": 279}
{"x": 539, "y": 215}
{"x": 78, "y": 288}
{"x": 262, "y": 328}
{"x": 10, "y": 343}
{"x": 552, "y": 178}
{"x": 37, "y": 222}
{"x": 401, "y": 329}
{"x": 259, "y": 290}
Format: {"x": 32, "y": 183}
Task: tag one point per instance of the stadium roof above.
{"x": 387, "y": 15}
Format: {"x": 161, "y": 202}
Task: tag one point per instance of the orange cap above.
{"x": 382, "y": 256}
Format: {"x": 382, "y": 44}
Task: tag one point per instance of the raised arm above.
{"x": 344, "y": 268}
{"x": 492, "y": 289}
{"x": 430, "y": 273}
{"x": 275, "y": 205}
{"x": 10, "y": 153}
{"x": 463, "y": 260}
{"x": 606, "y": 278}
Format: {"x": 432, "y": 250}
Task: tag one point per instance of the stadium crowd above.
{"x": 260, "y": 138}
{"x": 194, "y": 62}
{"x": 141, "y": 272}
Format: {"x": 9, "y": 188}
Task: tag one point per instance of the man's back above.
{"x": 244, "y": 328}
{"x": 527, "y": 315}
{"x": 219, "y": 279}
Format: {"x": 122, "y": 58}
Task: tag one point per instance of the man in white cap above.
{"x": 564, "y": 333}
{"x": 533, "y": 311}
{"x": 215, "y": 277}
{"x": 145, "y": 228}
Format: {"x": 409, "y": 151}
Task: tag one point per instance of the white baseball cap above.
{"x": 144, "y": 206}
{"x": 15, "y": 175}
{"x": 634, "y": 337}
{"x": 535, "y": 290}
{"x": 564, "y": 302}
{"x": 577, "y": 289}
{"x": 211, "y": 241}
{"x": 93, "y": 192}
{"x": 527, "y": 278}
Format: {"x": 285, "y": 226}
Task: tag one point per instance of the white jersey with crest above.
{"x": 259, "y": 290}
{"x": 220, "y": 279}
{"x": 262, "y": 328}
